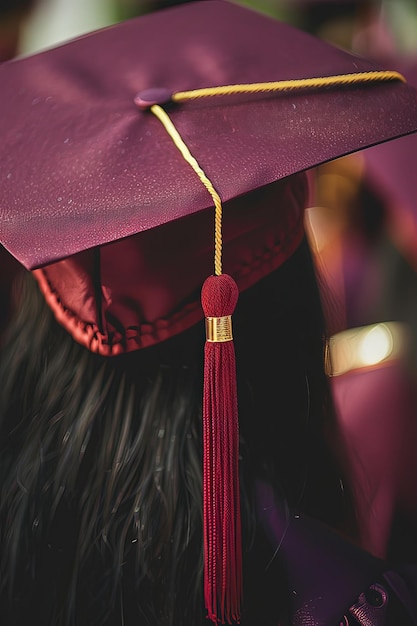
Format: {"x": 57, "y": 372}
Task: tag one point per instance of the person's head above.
{"x": 101, "y": 456}
{"x": 105, "y": 201}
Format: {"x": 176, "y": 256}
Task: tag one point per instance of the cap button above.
{"x": 148, "y": 97}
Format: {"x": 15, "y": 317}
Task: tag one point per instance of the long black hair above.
{"x": 100, "y": 460}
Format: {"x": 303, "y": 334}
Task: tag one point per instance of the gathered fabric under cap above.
{"x": 144, "y": 289}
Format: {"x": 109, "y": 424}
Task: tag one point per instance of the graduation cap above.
{"x": 115, "y": 148}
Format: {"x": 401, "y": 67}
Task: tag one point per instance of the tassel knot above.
{"x": 219, "y": 296}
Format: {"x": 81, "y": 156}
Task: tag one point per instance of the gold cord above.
{"x": 289, "y": 85}
{"x": 163, "y": 117}
{"x": 270, "y": 87}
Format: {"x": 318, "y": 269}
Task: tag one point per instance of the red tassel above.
{"x": 222, "y": 527}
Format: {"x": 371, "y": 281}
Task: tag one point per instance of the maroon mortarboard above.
{"x": 114, "y": 147}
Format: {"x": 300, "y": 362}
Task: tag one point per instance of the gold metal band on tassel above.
{"x": 219, "y": 329}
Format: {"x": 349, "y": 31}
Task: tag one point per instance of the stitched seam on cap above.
{"x": 88, "y": 334}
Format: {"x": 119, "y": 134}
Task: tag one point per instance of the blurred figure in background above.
{"x": 363, "y": 229}
{"x": 13, "y": 14}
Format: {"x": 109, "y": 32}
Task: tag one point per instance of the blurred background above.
{"x": 362, "y": 225}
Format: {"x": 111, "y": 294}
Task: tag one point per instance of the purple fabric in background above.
{"x": 329, "y": 577}
{"x": 326, "y": 574}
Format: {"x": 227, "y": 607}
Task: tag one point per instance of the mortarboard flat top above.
{"x": 82, "y": 166}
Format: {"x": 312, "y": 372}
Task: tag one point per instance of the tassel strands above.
{"x": 221, "y": 498}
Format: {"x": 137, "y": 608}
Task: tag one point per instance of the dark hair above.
{"x": 101, "y": 460}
